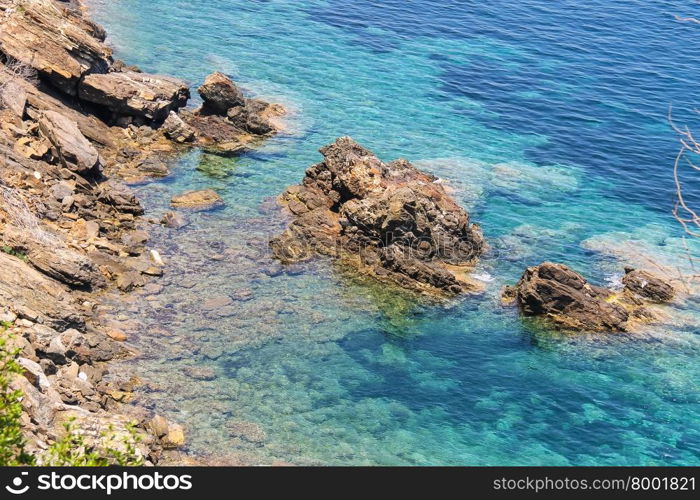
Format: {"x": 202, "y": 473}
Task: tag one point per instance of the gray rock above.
{"x": 151, "y": 97}
{"x": 73, "y": 150}
{"x": 176, "y": 129}
{"x": 34, "y": 373}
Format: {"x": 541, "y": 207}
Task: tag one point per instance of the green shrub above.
{"x": 11, "y": 251}
{"x": 73, "y": 450}
{"x": 70, "y": 450}
{"x": 12, "y": 443}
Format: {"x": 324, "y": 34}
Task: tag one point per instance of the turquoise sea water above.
{"x": 549, "y": 120}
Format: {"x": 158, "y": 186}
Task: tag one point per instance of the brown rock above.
{"x": 14, "y": 97}
{"x": 50, "y": 256}
{"x": 58, "y": 44}
{"x": 218, "y": 135}
{"x": 391, "y": 221}
{"x": 220, "y": 94}
{"x": 565, "y": 297}
{"x": 176, "y": 129}
{"x": 175, "y": 437}
{"x": 205, "y": 198}
{"x": 34, "y": 296}
{"x": 151, "y": 97}
{"x": 648, "y": 286}
{"x": 116, "y": 334}
{"x": 251, "y": 117}
{"x": 73, "y": 150}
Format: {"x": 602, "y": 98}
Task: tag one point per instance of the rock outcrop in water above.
{"x": 72, "y": 121}
{"x": 388, "y": 220}
{"x": 228, "y": 120}
{"x": 567, "y": 301}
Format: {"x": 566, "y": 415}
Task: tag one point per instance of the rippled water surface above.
{"x": 549, "y": 119}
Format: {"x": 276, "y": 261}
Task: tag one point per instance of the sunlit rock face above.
{"x": 390, "y": 220}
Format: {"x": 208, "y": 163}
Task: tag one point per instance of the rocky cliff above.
{"x": 73, "y": 123}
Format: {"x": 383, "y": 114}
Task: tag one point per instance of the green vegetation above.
{"x": 13, "y": 252}
{"x": 73, "y": 450}
{"x": 12, "y": 444}
{"x": 70, "y": 450}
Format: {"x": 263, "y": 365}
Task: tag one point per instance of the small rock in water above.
{"x": 173, "y": 220}
{"x": 117, "y": 335}
{"x": 200, "y": 372}
{"x": 202, "y": 198}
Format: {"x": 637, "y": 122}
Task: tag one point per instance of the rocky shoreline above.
{"x": 75, "y": 123}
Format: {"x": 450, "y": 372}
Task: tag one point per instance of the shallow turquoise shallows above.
{"x": 549, "y": 120}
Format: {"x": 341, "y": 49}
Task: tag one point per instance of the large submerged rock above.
{"x": 567, "y": 301}
{"x": 388, "y": 220}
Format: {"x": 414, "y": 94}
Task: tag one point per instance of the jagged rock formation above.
{"x": 389, "y": 220}
{"x": 227, "y": 120}
{"x": 567, "y": 301}
{"x": 59, "y": 44}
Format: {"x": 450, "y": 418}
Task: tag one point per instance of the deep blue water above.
{"x": 550, "y": 120}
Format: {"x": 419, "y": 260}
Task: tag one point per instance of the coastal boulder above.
{"x": 219, "y": 94}
{"x": 71, "y": 147}
{"x": 389, "y": 220}
{"x": 252, "y": 117}
{"x": 60, "y": 45}
{"x": 132, "y": 94}
{"x": 566, "y": 299}
{"x": 568, "y": 302}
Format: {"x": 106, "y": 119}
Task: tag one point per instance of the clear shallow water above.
{"x": 549, "y": 120}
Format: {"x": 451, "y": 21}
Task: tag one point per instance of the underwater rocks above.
{"x": 567, "y": 301}
{"x": 387, "y": 220}
{"x": 205, "y": 198}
